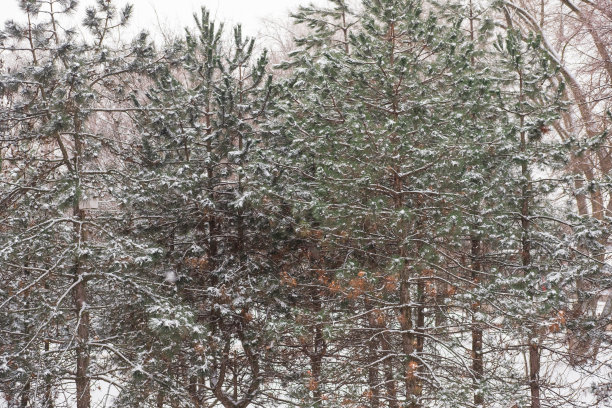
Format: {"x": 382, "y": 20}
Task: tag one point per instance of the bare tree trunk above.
{"x": 477, "y": 360}
{"x": 212, "y": 226}
{"x": 25, "y": 394}
{"x": 476, "y": 253}
{"x": 390, "y": 385}
{"x": 83, "y": 397}
{"x": 419, "y": 372}
{"x": 374, "y": 355}
{"x": 159, "y": 403}
{"x": 373, "y": 371}
{"x": 534, "y": 373}
{"x": 408, "y": 339}
{"x": 316, "y": 364}
{"x": 193, "y": 391}
{"x": 83, "y": 391}
{"x": 315, "y": 352}
{"x": 48, "y": 402}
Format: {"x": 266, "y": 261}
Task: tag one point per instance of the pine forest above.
{"x": 407, "y": 205}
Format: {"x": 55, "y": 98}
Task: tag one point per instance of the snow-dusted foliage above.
{"x": 383, "y": 225}
{"x": 196, "y": 190}
{"x": 66, "y": 266}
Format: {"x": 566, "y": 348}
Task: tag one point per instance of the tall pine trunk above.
{"x": 83, "y": 397}
{"x": 477, "y": 360}
{"x": 83, "y": 383}
{"x": 373, "y": 365}
{"x": 534, "y": 347}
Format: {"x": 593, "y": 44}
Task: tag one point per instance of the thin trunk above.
{"x": 235, "y": 378}
{"x": 48, "y": 393}
{"x": 255, "y": 381}
{"x": 373, "y": 373}
{"x": 374, "y": 355}
{"x": 476, "y": 247}
{"x": 442, "y": 292}
{"x": 241, "y": 226}
{"x": 83, "y": 391}
{"x": 477, "y": 361}
{"x": 212, "y": 227}
{"x": 193, "y": 391}
{"x": 419, "y": 372}
{"x": 345, "y": 32}
{"x": 220, "y": 373}
{"x": 534, "y": 373}
{"x": 316, "y": 354}
{"x": 25, "y": 394}
{"x": 83, "y": 397}
{"x": 390, "y": 386}
{"x": 316, "y": 365}
{"x": 159, "y": 403}
{"x": 526, "y": 192}
{"x": 408, "y": 340}
{"x": 48, "y": 402}
{"x": 256, "y": 378}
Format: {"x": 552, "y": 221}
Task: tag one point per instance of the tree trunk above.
{"x": 526, "y": 192}
{"x": 316, "y": 365}
{"x": 390, "y": 386}
{"x": 534, "y": 373}
{"x": 25, "y": 394}
{"x": 408, "y": 340}
{"x": 83, "y": 391}
{"x": 159, "y": 403}
{"x": 477, "y": 361}
{"x": 83, "y": 397}
{"x": 417, "y": 367}
{"x": 373, "y": 377}
{"x": 48, "y": 402}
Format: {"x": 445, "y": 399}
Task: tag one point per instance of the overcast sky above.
{"x": 175, "y": 14}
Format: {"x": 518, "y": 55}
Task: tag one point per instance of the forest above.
{"x": 406, "y": 205}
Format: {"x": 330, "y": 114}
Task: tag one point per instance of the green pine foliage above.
{"x": 197, "y": 194}
{"x": 385, "y": 224}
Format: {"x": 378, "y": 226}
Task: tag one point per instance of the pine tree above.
{"x": 59, "y": 255}
{"x": 197, "y": 194}
{"x": 404, "y": 145}
{"x": 372, "y": 131}
{"x": 381, "y": 228}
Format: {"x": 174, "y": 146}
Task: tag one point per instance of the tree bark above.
{"x": 83, "y": 383}
{"x": 477, "y": 360}
{"x": 390, "y": 385}
{"x": 373, "y": 373}
{"x": 83, "y": 396}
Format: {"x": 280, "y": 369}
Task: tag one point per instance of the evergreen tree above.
{"x": 197, "y": 195}
{"x": 61, "y": 253}
{"x": 409, "y": 163}
{"x": 380, "y": 228}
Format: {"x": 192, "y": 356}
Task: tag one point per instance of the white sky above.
{"x": 176, "y": 14}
